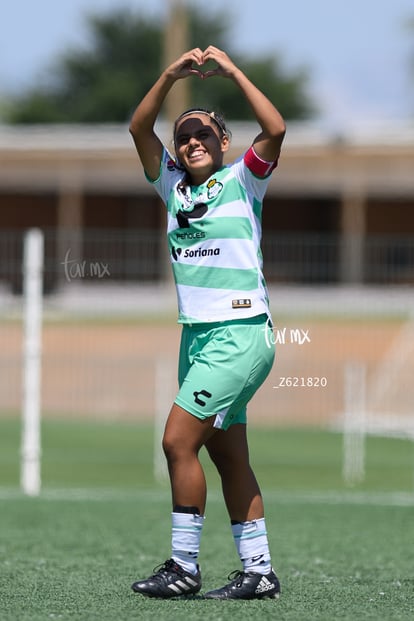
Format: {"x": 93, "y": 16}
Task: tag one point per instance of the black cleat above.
{"x": 248, "y": 586}
{"x": 169, "y": 580}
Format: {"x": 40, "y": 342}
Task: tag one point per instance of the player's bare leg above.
{"x": 230, "y": 454}
{"x": 229, "y": 451}
{"x": 184, "y": 435}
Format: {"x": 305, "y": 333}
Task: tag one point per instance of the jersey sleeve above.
{"x": 254, "y": 173}
{"x": 168, "y": 176}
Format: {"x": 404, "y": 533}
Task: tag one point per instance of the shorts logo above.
{"x": 205, "y": 393}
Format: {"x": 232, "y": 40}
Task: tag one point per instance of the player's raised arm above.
{"x": 147, "y": 143}
{"x": 268, "y": 143}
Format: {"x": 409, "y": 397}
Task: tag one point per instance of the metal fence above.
{"x": 140, "y": 256}
{"x": 102, "y": 363}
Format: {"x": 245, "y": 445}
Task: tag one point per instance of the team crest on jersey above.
{"x": 214, "y": 188}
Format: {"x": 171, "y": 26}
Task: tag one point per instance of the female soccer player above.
{"x": 214, "y": 232}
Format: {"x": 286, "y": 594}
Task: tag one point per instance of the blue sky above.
{"x": 357, "y": 51}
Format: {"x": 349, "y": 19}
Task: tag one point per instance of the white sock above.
{"x": 186, "y": 536}
{"x": 252, "y": 546}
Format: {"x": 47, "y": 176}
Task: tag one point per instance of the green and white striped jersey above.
{"x": 214, "y": 233}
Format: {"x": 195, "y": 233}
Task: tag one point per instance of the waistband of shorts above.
{"x": 245, "y": 321}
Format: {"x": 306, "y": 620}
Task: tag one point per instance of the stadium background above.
{"x": 338, "y": 246}
{"x": 339, "y": 260}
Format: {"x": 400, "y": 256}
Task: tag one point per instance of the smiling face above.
{"x": 200, "y": 146}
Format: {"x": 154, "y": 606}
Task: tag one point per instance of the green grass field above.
{"x": 102, "y": 521}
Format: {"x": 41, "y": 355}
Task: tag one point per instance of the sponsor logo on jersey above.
{"x": 190, "y": 211}
{"x": 171, "y": 165}
{"x": 201, "y": 252}
{"x": 189, "y": 253}
{"x": 191, "y": 235}
{"x": 176, "y": 252}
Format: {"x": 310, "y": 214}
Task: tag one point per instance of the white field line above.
{"x": 391, "y": 499}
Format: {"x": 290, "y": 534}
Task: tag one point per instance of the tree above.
{"x": 104, "y": 82}
{"x": 101, "y": 83}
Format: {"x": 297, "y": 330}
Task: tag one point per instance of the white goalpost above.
{"x": 30, "y": 477}
{"x": 30, "y": 447}
{"x": 353, "y": 464}
{"x": 382, "y": 406}
{"x": 165, "y": 388}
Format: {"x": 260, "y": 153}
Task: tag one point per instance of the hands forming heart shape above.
{"x": 205, "y": 73}
{"x": 206, "y": 64}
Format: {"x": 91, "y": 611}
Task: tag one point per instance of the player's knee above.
{"x": 169, "y": 447}
{"x": 175, "y": 449}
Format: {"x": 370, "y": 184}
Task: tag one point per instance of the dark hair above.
{"x": 214, "y": 116}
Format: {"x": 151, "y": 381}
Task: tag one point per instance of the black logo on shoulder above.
{"x": 205, "y": 393}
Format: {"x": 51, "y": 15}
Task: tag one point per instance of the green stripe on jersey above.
{"x": 227, "y": 227}
{"x": 257, "y": 209}
{"x": 232, "y": 191}
{"x": 215, "y": 277}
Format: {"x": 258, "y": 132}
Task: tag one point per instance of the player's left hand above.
{"x": 225, "y": 66}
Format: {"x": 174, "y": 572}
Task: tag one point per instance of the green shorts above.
{"x": 222, "y": 365}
